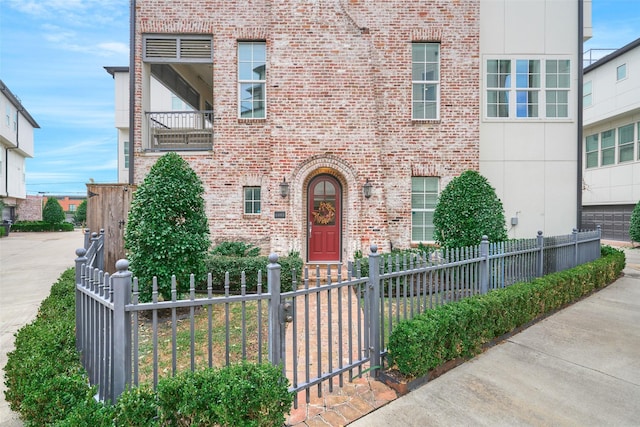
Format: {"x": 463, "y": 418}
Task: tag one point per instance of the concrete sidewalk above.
{"x": 578, "y": 367}
{"x": 29, "y": 264}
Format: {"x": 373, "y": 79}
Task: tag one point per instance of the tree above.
{"x": 80, "y": 215}
{"x": 467, "y": 209}
{"x": 52, "y": 212}
{"x": 634, "y": 225}
{"x": 167, "y": 232}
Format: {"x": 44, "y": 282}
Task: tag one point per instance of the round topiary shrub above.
{"x": 467, "y": 209}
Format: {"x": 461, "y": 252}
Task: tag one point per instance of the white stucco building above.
{"x": 611, "y": 149}
{"x": 16, "y": 145}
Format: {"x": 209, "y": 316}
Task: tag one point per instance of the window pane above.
{"x": 626, "y": 153}
{"x": 607, "y": 139}
{"x": 621, "y": 72}
{"x": 592, "y": 160}
{"x": 608, "y": 156}
{"x": 424, "y": 196}
{"x": 591, "y": 143}
{"x": 625, "y": 134}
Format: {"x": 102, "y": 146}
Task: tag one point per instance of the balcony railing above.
{"x": 180, "y": 130}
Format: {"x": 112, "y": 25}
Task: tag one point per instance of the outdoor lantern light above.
{"x": 284, "y": 188}
{"x": 366, "y": 189}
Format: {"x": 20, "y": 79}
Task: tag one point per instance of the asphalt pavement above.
{"x": 29, "y": 264}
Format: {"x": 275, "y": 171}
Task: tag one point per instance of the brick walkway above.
{"x": 341, "y": 405}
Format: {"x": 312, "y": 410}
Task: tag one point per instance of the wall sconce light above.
{"x": 366, "y": 189}
{"x": 284, "y": 188}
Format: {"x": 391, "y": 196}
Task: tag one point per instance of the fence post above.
{"x": 273, "y": 285}
{"x": 80, "y": 260}
{"x": 540, "y": 266}
{"x": 100, "y": 251}
{"x": 575, "y": 247}
{"x": 87, "y": 237}
{"x": 374, "y": 310}
{"x": 484, "y": 265}
{"x": 121, "y": 338}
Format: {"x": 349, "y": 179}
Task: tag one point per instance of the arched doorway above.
{"x": 324, "y": 219}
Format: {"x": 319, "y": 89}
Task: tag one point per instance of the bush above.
{"x": 218, "y": 265}
{"x": 467, "y": 209}
{"x": 167, "y": 231}
{"x": 634, "y": 225}
{"x": 237, "y": 249}
{"x": 459, "y": 330}
{"x": 52, "y": 212}
{"x": 80, "y": 215}
{"x": 47, "y": 385}
{"x": 40, "y": 226}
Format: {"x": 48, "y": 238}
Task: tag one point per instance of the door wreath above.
{"x": 325, "y": 213}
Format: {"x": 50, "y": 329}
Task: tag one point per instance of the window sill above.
{"x": 426, "y": 121}
{"x": 252, "y": 121}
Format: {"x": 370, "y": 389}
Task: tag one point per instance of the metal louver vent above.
{"x": 161, "y": 48}
{"x": 195, "y": 48}
{"x": 178, "y": 48}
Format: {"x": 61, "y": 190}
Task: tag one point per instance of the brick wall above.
{"x": 339, "y": 102}
{"x": 30, "y": 209}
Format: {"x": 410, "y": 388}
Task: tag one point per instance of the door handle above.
{"x": 310, "y": 228}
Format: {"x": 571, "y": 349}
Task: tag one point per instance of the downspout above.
{"x": 132, "y": 82}
{"x": 580, "y": 112}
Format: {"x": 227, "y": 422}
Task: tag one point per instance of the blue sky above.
{"x": 53, "y": 54}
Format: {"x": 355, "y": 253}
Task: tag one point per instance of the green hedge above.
{"x": 461, "y": 329}
{"x": 218, "y": 265}
{"x": 41, "y": 226}
{"x": 47, "y": 385}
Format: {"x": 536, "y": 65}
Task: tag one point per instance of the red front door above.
{"x": 323, "y": 219}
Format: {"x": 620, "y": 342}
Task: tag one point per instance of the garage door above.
{"x": 613, "y": 219}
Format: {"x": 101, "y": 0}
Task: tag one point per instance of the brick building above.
{"x": 321, "y": 126}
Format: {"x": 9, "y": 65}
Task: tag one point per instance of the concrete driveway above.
{"x": 29, "y": 264}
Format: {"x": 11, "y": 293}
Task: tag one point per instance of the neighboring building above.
{"x": 16, "y": 145}
{"x": 30, "y": 209}
{"x": 611, "y": 177}
{"x": 322, "y": 127}
{"x": 162, "y": 99}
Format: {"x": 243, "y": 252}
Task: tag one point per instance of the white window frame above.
{"x": 621, "y": 72}
{"x": 591, "y": 152}
{"x": 587, "y": 94}
{"x": 245, "y": 82}
{"x": 626, "y": 145}
{"x": 251, "y": 201}
{"x": 425, "y": 77}
{"x": 519, "y": 88}
{"x": 423, "y": 208}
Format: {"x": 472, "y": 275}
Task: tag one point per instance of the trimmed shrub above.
{"x": 634, "y": 225}
{"x": 39, "y": 226}
{"x": 167, "y": 232}
{"x": 219, "y": 265}
{"x": 52, "y": 212}
{"x": 467, "y": 209}
{"x": 461, "y": 329}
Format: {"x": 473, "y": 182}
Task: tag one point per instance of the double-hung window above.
{"x": 252, "y": 83}
{"x": 587, "y": 94}
{"x": 424, "y": 196}
{"x": 625, "y": 143}
{"x": 425, "y": 75}
{"x": 527, "y": 88}
{"x": 591, "y": 151}
{"x": 558, "y": 80}
{"x": 252, "y": 199}
{"x": 608, "y": 147}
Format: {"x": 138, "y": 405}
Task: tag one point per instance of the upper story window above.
{"x": 591, "y": 151}
{"x": 625, "y": 143}
{"x": 523, "y": 89}
{"x": 608, "y": 147}
{"x": 621, "y": 72}
{"x": 425, "y": 76}
{"x": 424, "y": 196}
{"x": 252, "y": 75}
{"x": 587, "y": 94}
{"x": 557, "y": 83}
{"x": 252, "y": 199}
